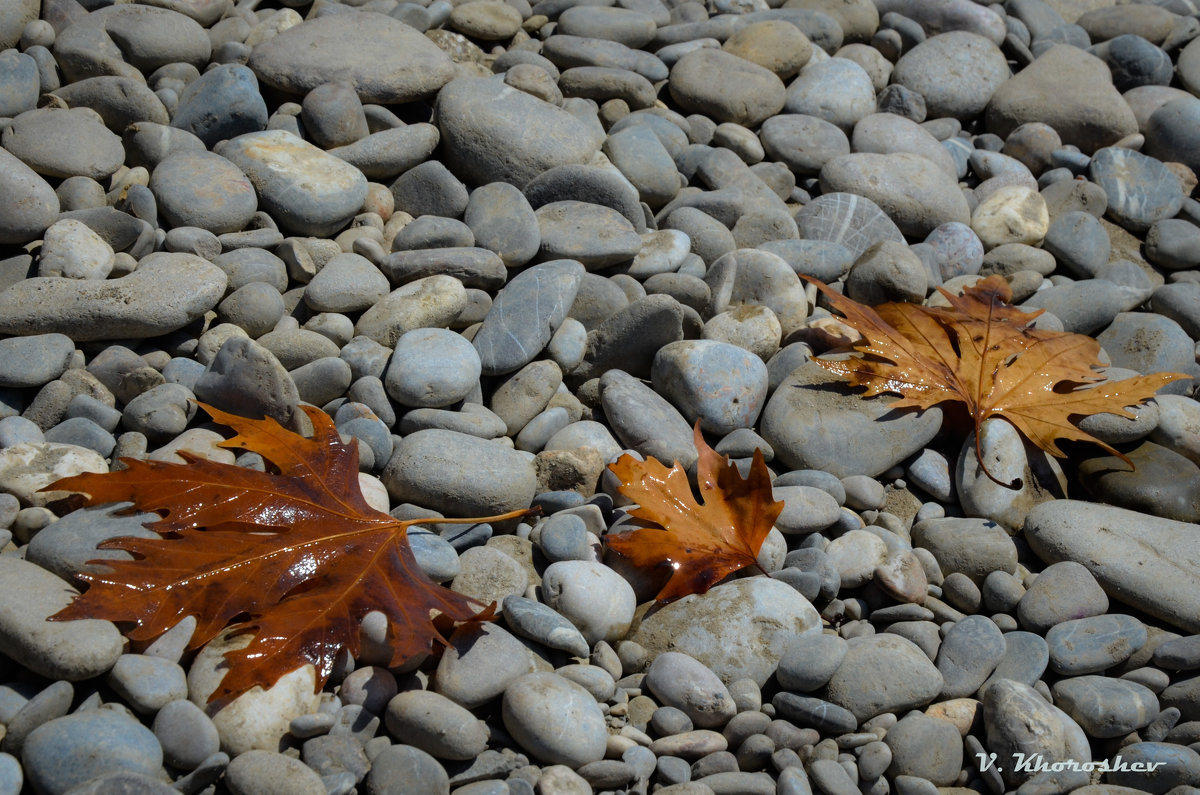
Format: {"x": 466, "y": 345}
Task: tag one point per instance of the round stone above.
{"x": 955, "y": 72}
{"x": 204, "y": 190}
{"x": 555, "y": 720}
{"x": 721, "y": 385}
{"x": 432, "y": 368}
{"x": 725, "y": 87}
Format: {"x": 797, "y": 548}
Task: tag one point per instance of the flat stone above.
{"x": 726, "y": 88}
{"x": 492, "y": 132}
{"x": 222, "y": 103}
{"x": 882, "y": 673}
{"x": 915, "y": 194}
{"x": 459, "y": 474}
{"x": 554, "y": 719}
{"x": 72, "y": 650}
{"x": 846, "y": 218}
{"x": 32, "y": 204}
{"x": 73, "y": 749}
{"x": 308, "y": 191}
{"x": 955, "y": 72}
{"x": 146, "y": 303}
{"x": 1105, "y": 707}
{"x": 739, "y": 630}
{"x": 1146, "y": 562}
{"x": 384, "y": 59}
{"x": 1019, "y": 720}
{"x": 1140, "y": 189}
{"x": 815, "y": 421}
{"x": 64, "y": 143}
{"x": 1093, "y": 116}
{"x": 204, "y": 190}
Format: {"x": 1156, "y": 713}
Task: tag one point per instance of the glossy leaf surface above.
{"x": 701, "y": 542}
{"x": 294, "y": 556}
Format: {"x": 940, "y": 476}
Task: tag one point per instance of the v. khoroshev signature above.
{"x": 1037, "y": 763}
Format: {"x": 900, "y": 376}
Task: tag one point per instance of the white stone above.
{"x": 71, "y": 249}
{"x": 257, "y": 719}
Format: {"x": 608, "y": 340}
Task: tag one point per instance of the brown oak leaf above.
{"x": 702, "y": 543}
{"x": 294, "y": 556}
{"x": 982, "y": 352}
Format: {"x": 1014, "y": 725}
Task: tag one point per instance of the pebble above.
{"x": 1104, "y": 707}
{"x": 956, "y": 73}
{"x": 458, "y": 473}
{"x": 882, "y": 673}
{"x": 1029, "y": 96}
{"x": 836, "y": 90}
{"x": 33, "y": 203}
{"x": 75, "y": 650}
{"x": 60, "y": 143}
{"x": 253, "y": 770}
{"x": 525, "y": 315}
{"x": 1015, "y": 214}
{"x": 720, "y": 385}
{"x": 1019, "y": 720}
{"x": 72, "y": 749}
{"x": 508, "y": 135}
{"x": 147, "y": 683}
{"x": 222, "y": 103}
{"x": 969, "y": 653}
{"x": 1140, "y": 189}
{"x": 683, "y": 682}
{"x": 807, "y": 422}
{"x": 556, "y": 720}
{"x": 1092, "y": 644}
{"x": 717, "y": 628}
{"x": 432, "y": 368}
{"x": 925, "y": 747}
{"x": 591, "y": 596}
{"x": 810, "y": 662}
{"x": 311, "y": 192}
{"x": 538, "y": 622}
{"x": 904, "y": 186}
{"x": 478, "y": 665}
{"x": 186, "y": 734}
{"x": 1061, "y": 592}
{"x": 435, "y": 724}
{"x": 725, "y": 87}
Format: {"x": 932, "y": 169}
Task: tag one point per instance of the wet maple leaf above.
{"x": 705, "y": 542}
{"x": 981, "y": 352}
{"x": 294, "y": 556}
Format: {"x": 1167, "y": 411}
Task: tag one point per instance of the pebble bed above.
{"x": 501, "y": 244}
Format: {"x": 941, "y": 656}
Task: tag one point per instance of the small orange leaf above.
{"x": 701, "y": 543}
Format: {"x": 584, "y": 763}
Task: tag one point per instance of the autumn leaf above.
{"x": 981, "y": 352}
{"x": 702, "y": 543}
{"x": 294, "y": 556}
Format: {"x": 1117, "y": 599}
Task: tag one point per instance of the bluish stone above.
{"x": 956, "y": 249}
{"x": 1140, "y": 188}
{"x": 75, "y": 748}
{"x": 821, "y": 259}
{"x": 34, "y": 360}
{"x": 564, "y": 538}
{"x": 721, "y": 385}
{"x": 525, "y": 314}
{"x": 432, "y": 368}
{"x": 1105, "y": 707}
{"x": 1162, "y": 483}
{"x": 969, "y": 653}
{"x": 222, "y": 103}
{"x": 1093, "y": 644}
{"x": 1135, "y": 62}
{"x": 502, "y": 221}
